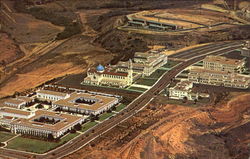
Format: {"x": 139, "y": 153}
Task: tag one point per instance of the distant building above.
{"x": 144, "y": 63}
{"x": 45, "y": 123}
{"x": 183, "y": 90}
{"x": 86, "y": 103}
{"x": 18, "y": 102}
{"x": 51, "y": 95}
{"x": 218, "y": 78}
{"x": 245, "y": 51}
{"x": 220, "y": 63}
{"x": 109, "y": 77}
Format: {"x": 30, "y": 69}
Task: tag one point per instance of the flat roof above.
{"x": 65, "y": 120}
{"x": 109, "y": 73}
{"x": 14, "y": 111}
{"x": 14, "y": 101}
{"x": 99, "y": 103}
{"x": 55, "y": 93}
{"x": 183, "y": 86}
{"x": 223, "y": 60}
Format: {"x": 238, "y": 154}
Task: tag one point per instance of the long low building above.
{"x": 51, "y": 95}
{"x": 200, "y": 75}
{"x": 46, "y": 123}
{"x": 86, "y": 103}
{"x": 18, "y": 102}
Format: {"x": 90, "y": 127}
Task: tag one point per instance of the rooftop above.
{"x": 109, "y": 73}
{"x": 183, "y": 86}
{"x": 52, "y": 93}
{"x": 100, "y": 101}
{"x": 66, "y": 121}
{"x": 14, "y": 111}
{"x": 223, "y": 60}
{"x": 14, "y": 101}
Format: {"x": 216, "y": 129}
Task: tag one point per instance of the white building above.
{"x": 108, "y": 77}
{"x": 144, "y": 63}
{"x": 18, "y": 102}
{"x": 62, "y": 123}
{"x": 183, "y": 90}
{"x": 51, "y": 95}
{"x": 86, "y": 103}
{"x": 9, "y": 114}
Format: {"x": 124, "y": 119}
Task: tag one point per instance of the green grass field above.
{"x": 105, "y": 116}
{"x": 120, "y": 107}
{"x": 157, "y": 74}
{"x": 137, "y": 89}
{"x": 146, "y": 81}
{"x": 37, "y": 146}
{"x": 4, "y": 136}
{"x": 87, "y": 126}
{"x": 171, "y": 64}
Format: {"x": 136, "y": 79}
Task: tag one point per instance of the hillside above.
{"x": 178, "y": 132}
{"x": 71, "y": 36}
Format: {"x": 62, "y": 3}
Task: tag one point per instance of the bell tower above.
{"x": 130, "y": 72}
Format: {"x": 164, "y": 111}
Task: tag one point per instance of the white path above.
{"x": 140, "y": 86}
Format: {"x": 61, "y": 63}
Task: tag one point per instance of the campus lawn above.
{"x": 105, "y": 116}
{"x": 120, "y": 107}
{"x": 88, "y": 125}
{"x": 157, "y": 74}
{"x": 146, "y": 81}
{"x": 137, "y": 89}
{"x": 170, "y": 64}
{"x": 37, "y": 146}
{"x": 4, "y": 136}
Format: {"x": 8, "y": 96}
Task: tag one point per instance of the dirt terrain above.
{"x": 169, "y": 131}
{"x": 43, "y": 34}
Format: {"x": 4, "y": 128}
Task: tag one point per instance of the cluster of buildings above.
{"x": 42, "y": 122}
{"x": 124, "y": 74}
{"x": 220, "y": 71}
{"x": 217, "y": 71}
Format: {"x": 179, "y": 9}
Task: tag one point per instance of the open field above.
{"x": 37, "y": 146}
{"x": 120, "y": 107}
{"x": 4, "y": 136}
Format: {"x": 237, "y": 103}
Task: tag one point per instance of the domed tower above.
{"x": 100, "y": 68}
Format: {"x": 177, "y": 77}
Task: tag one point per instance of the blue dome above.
{"x": 100, "y": 68}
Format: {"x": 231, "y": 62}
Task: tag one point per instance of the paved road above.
{"x": 138, "y": 104}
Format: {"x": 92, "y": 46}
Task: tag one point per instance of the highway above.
{"x": 138, "y": 104}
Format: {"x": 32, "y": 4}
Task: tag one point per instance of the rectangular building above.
{"x": 218, "y": 78}
{"x": 220, "y": 63}
{"x": 18, "y": 102}
{"x": 45, "y": 123}
{"x": 86, "y": 103}
{"x": 51, "y": 95}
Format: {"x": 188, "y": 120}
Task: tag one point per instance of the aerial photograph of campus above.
{"x": 124, "y": 79}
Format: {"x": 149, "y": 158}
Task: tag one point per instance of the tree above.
{"x": 72, "y": 131}
{"x": 195, "y": 101}
{"x": 50, "y": 137}
{"x": 185, "y": 99}
{"x": 78, "y": 127}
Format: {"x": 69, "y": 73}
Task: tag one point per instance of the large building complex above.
{"x": 45, "y": 123}
{"x": 108, "y": 76}
{"x": 220, "y": 63}
{"x": 218, "y": 78}
{"x": 144, "y": 63}
{"x": 86, "y": 103}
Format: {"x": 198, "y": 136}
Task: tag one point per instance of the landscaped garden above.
{"x": 4, "y": 136}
